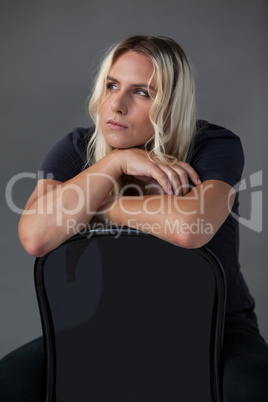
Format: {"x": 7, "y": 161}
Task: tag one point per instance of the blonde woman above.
{"x": 149, "y": 164}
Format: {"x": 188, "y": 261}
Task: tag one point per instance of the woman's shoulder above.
{"x": 211, "y": 137}
{"x": 216, "y": 153}
{"x": 75, "y": 143}
{"x": 78, "y": 139}
{"x": 68, "y": 156}
{"x": 206, "y": 130}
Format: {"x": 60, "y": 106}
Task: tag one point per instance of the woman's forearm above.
{"x": 189, "y": 221}
{"x": 56, "y": 211}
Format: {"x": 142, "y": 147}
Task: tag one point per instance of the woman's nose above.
{"x": 119, "y": 104}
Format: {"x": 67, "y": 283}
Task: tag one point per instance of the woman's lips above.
{"x": 115, "y": 126}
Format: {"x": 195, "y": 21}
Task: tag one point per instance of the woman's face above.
{"x": 124, "y": 112}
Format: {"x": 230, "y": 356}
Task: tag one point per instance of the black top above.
{"x": 216, "y": 153}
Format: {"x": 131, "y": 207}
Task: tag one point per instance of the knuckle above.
{"x": 186, "y": 166}
{"x": 184, "y": 175}
{"x": 173, "y": 174}
{"x": 181, "y": 163}
{"x": 162, "y": 174}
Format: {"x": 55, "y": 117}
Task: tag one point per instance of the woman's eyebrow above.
{"x": 133, "y": 85}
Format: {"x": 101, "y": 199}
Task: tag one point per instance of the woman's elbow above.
{"x": 190, "y": 240}
{"x": 34, "y": 248}
{"x": 30, "y": 241}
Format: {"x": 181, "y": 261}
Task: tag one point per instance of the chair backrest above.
{"x": 129, "y": 317}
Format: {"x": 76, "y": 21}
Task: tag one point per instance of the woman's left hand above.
{"x": 152, "y": 176}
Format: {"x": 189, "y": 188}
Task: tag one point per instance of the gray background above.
{"x": 49, "y": 51}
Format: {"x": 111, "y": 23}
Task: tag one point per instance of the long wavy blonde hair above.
{"x": 173, "y": 112}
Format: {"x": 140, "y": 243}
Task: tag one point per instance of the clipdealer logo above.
{"x": 255, "y": 222}
{"x": 251, "y": 185}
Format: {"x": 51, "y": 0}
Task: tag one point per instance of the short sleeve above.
{"x": 67, "y": 158}
{"x": 217, "y": 154}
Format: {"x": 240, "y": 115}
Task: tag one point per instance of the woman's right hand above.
{"x": 172, "y": 179}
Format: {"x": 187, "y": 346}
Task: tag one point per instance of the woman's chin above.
{"x": 123, "y": 144}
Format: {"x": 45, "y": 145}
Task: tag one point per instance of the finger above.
{"x": 192, "y": 174}
{"x": 184, "y": 180}
{"x": 161, "y": 177}
{"x": 178, "y": 179}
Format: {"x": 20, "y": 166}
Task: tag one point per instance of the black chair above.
{"x": 129, "y": 317}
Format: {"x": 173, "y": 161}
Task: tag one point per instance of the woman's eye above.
{"x": 142, "y": 93}
{"x": 111, "y": 86}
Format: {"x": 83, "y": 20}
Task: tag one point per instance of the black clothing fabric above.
{"x": 216, "y": 153}
{"x": 245, "y": 363}
{"x": 22, "y": 374}
{"x": 68, "y": 157}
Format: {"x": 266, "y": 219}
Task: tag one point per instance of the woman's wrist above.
{"x": 116, "y": 160}
{"x": 109, "y": 165}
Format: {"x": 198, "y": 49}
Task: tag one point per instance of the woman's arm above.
{"x": 188, "y": 221}
{"x": 55, "y": 211}
{"x": 46, "y": 220}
